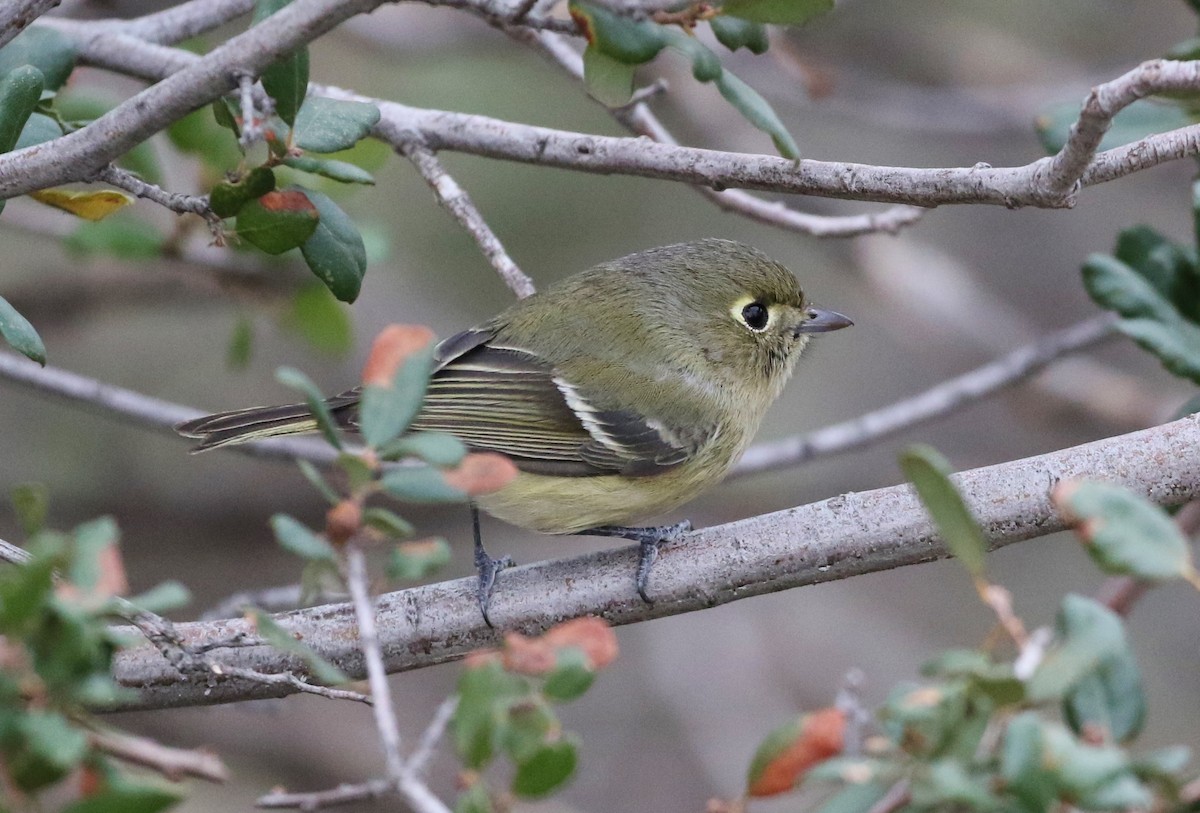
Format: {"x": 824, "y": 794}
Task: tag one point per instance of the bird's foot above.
{"x": 487, "y": 568}
{"x": 649, "y": 541}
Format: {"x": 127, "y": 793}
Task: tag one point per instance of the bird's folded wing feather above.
{"x": 507, "y": 399}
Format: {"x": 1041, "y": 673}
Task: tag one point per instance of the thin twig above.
{"x": 271, "y": 599}
{"x": 12, "y": 554}
{"x": 936, "y": 402}
{"x": 418, "y": 761}
{"x": 637, "y": 117}
{"x": 253, "y": 118}
{"x": 838, "y": 538}
{"x": 368, "y": 641}
{"x": 173, "y": 763}
{"x": 343, "y": 794}
{"x": 145, "y": 410}
{"x": 456, "y": 201}
{"x": 289, "y": 679}
{"x": 898, "y": 796}
{"x": 175, "y": 201}
{"x": 16, "y": 15}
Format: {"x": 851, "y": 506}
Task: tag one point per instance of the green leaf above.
{"x": 295, "y": 538}
{"x": 297, "y": 380}
{"x": 91, "y": 539}
{"x": 413, "y": 561}
{"x": 31, "y": 501}
{"x": 126, "y": 797}
{"x": 228, "y": 197}
{"x": 474, "y": 799}
{"x": 342, "y": 171}
{"x": 20, "y": 91}
{"x": 756, "y": 111}
{"x": 571, "y": 676}
{"x": 226, "y": 115}
{"x": 278, "y": 221}
{"x": 388, "y": 523}
{"x": 199, "y": 134}
{"x": 632, "y": 42}
{"x": 781, "y": 12}
{"x": 706, "y": 67}
{"x": 1022, "y": 766}
{"x": 162, "y": 598}
{"x": 1087, "y": 634}
{"x": 1124, "y": 533}
{"x": 16, "y": 330}
{"x": 329, "y": 125}
{"x": 1164, "y": 764}
{"x": 929, "y": 473}
{"x": 121, "y": 237}
{"x": 359, "y": 475}
{"x": 483, "y": 692}
{"x": 385, "y": 412}
{"x": 322, "y": 670}
{"x": 1144, "y": 295}
{"x": 524, "y": 728}
{"x": 435, "y": 448}
{"x": 1138, "y": 120}
{"x": 1110, "y": 701}
{"x": 735, "y": 33}
{"x": 45, "y": 747}
{"x": 420, "y": 484}
{"x": 335, "y": 250}
{"x": 241, "y": 344}
{"x": 38, "y": 130}
{"x": 46, "y": 49}
{"x": 317, "y": 480}
{"x": 547, "y": 770}
{"x": 609, "y": 81}
{"x": 948, "y": 784}
{"x": 320, "y": 320}
{"x": 286, "y": 81}
{"x": 854, "y": 798}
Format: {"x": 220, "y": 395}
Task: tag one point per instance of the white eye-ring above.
{"x": 753, "y": 313}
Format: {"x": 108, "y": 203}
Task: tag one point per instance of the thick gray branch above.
{"x": 838, "y": 538}
{"x": 16, "y": 15}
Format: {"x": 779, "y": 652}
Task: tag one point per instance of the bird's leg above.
{"x": 486, "y": 567}
{"x": 649, "y": 541}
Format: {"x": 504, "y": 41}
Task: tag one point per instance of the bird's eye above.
{"x": 755, "y": 316}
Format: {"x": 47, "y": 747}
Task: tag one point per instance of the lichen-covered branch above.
{"x": 838, "y": 538}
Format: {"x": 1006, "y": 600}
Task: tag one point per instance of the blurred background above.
{"x": 676, "y": 719}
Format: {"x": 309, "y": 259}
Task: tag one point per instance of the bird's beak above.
{"x": 818, "y": 320}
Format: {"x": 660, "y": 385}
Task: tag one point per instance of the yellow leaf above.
{"x": 89, "y": 204}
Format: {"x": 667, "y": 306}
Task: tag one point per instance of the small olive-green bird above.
{"x": 620, "y": 392}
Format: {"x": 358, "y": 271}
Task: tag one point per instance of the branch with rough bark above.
{"x": 838, "y": 538}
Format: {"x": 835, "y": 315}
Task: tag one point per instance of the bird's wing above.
{"x": 507, "y": 399}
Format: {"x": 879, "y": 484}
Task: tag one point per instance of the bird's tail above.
{"x": 241, "y": 425}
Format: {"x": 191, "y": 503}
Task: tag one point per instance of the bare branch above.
{"x": 358, "y": 582}
{"x": 343, "y": 794}
{"x": 637, "y": 117}
{"x": 418, "y": 761}
{"x": 175, "y": 201}
{"x": 456, "y": 201}
{"x": 16, "y": 15}
{"x": 201, "y": 79}
{"x": 937, "y": 401}
{"x": 173, "y": 763}
{"x": 143, "y": 410}
{"x": 1063, "y": 177}
{"x": 13, "y": 554}
{"x": 180, "y": 22}
{"x": 834, "y": 539}
{"x": 272, "y": 599}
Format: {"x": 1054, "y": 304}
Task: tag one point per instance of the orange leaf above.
{"x": 591, "y": 634}
{"x": 392, "y": 346}
{"x": 481, "y": 473}
{"x": 789, "y": 752}
{"x": 288, "y": 200}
